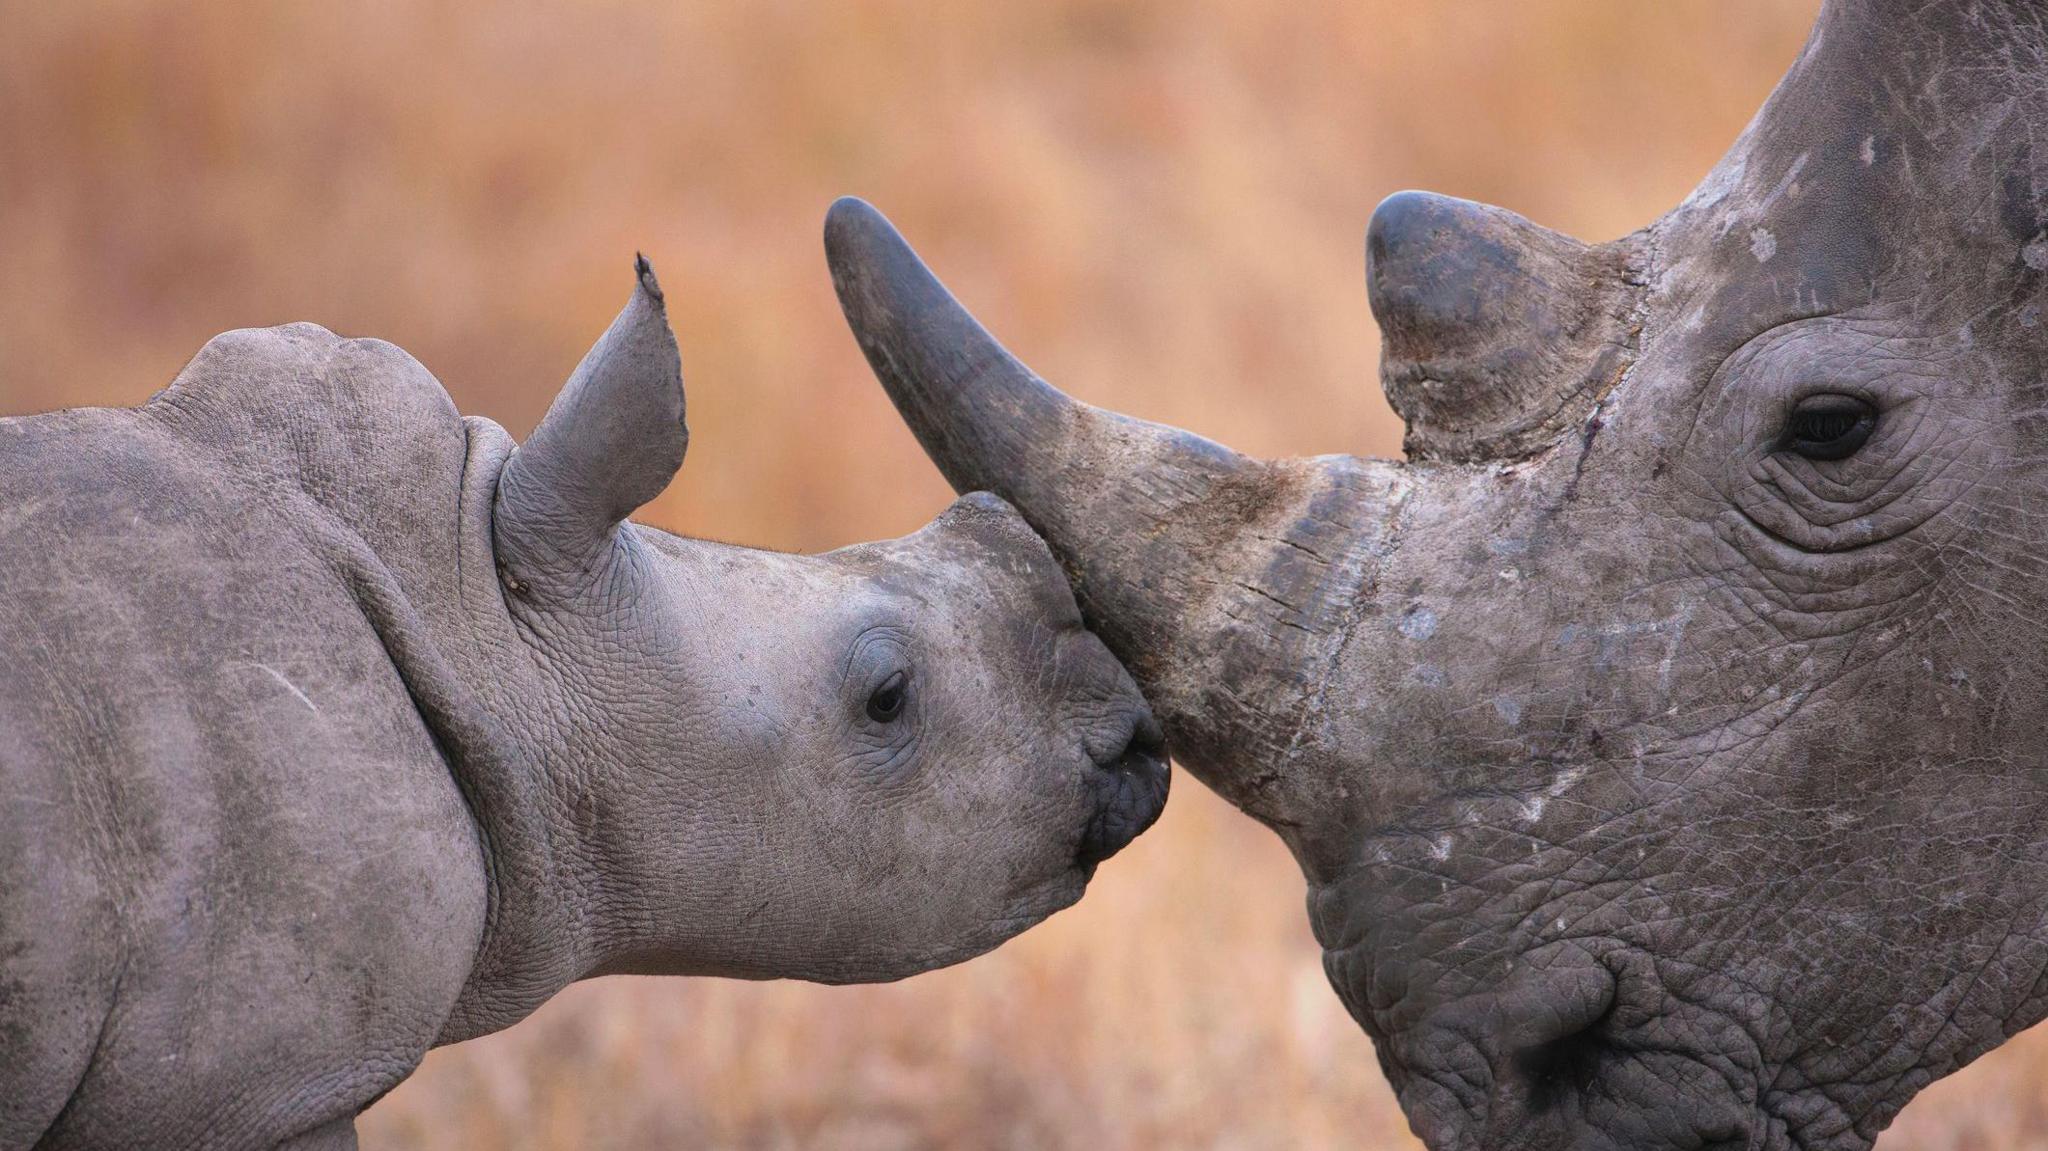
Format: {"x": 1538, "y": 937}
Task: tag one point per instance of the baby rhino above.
{"x": 335, "y": 726}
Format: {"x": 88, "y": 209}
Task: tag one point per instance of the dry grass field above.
{"x": 1160, "y": 204}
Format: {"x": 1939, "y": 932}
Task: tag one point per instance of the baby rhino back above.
{"x": 233, "y": 864}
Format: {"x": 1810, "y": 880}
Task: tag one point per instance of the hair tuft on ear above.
{"x": 648, "y": 283}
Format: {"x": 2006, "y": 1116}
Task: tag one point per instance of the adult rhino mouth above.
{"x": 1129, "y": 792}
{"x": 1566, "y": 1056}
{"x": 1543, "y": 1000}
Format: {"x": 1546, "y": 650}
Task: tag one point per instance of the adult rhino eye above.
{"x": 1829, "y": 427}
{"x": 887, "y": 701}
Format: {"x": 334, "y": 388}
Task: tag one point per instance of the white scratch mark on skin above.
{"x": 1788, "y": 182}
{"x": 1869, "y": 152}
{"x": 1612, "y": 640}
{"x": 1677, "y": 638}
{"x": 1564, "y": 781}
{"x": 1762, "y": 244}
{"x": 288, "y": 685}
{"x": 1532, "y": 806}
{"x": 1440, "y": 848}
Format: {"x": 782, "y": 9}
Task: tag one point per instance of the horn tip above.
{"x": 851, "y": 213}
{"x": 859, "y": 239}
{"x": 643, "y": 271}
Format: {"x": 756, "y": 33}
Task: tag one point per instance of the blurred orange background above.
{"x": 1159, "y": 205}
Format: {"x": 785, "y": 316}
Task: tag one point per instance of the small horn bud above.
{"x": 1497, "y": 334}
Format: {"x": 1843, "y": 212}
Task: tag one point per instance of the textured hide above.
{"x": 333, "y": 725}
{"x": 1662, "y": 743}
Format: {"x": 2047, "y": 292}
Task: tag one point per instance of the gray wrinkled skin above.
{"x": 334, "y": 726}
{"x": 1658, "y": 785}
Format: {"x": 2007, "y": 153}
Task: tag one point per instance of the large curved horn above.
{"x": 1221, "y": 581}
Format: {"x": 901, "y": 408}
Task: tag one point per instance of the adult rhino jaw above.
{"x": 1662, "y": 743}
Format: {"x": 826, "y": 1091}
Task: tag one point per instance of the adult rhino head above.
{"x": 1662, "y": 743}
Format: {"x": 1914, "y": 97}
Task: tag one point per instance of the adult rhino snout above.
{"x": 1129, "y": 792}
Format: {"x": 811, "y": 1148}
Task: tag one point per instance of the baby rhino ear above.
{"x": 610, "y": 442}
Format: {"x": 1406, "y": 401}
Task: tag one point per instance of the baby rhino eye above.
{"x": 1830, "y": 426}
{"x": 887, "y": 701}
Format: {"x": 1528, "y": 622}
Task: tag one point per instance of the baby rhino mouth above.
{"x": 1129, "y": 792}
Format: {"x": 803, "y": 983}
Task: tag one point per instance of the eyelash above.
{"x": 886, "y": 702}
{"x": 1829, "y": 426}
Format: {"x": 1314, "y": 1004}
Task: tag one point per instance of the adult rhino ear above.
{"x": 610, "y": 442}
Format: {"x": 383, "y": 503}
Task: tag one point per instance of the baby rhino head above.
{"x": 845, "y": 767}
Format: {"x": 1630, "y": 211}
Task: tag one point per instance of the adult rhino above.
{"x": 333, "y": 726}
{"x": 1663, "y": 743}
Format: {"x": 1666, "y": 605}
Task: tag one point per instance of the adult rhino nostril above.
{"x": 1548, "y": 1028}
{"x": 1565, "y": 1066}
{"x": 1129, "y": 792}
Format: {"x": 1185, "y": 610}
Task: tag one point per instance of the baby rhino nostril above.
{"x": 1128, "y": 792}
{"x": 1146, "y": 738}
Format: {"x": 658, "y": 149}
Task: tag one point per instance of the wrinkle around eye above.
{"x": 1817, "y": 510}
{"x": 1808, "y": 595}
{"x": 1780, "y": 501}
{"x": 885, "y": 759}
{"x": 889, "y": 635}
{"x": 880, "y": 749}
{"x": 1804, "y": 538}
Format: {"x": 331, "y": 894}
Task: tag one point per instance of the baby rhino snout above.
{"x": 1124, "y": 767}
{"x": 1128, "y": 790}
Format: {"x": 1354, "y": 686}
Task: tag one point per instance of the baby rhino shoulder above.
{"x": 340, "y": 416}
{"x": 225, "y": 796}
